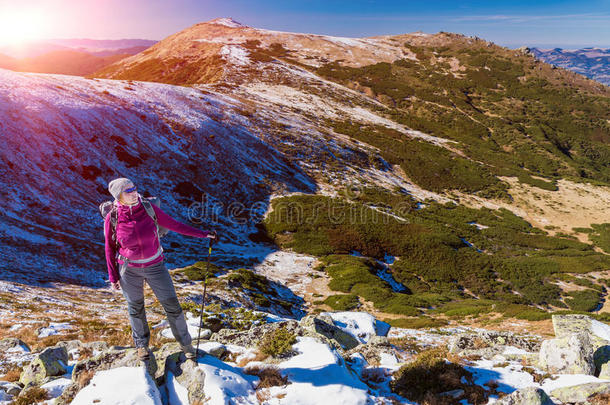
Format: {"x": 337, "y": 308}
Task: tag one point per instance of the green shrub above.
{"x": 342, "y": 302}
{"x": 584, "y": 300}
{"x": 277, "y": 343}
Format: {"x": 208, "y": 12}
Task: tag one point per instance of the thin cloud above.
{"x": 530, "y": 18}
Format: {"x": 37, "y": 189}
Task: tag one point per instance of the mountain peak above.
{"x": 229, "y": 22}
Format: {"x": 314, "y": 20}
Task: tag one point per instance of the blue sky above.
{"x": 510, "y": 23}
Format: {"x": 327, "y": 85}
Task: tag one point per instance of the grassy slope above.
{"x": 444, "y": 259}
{"x": 515, "y": 115}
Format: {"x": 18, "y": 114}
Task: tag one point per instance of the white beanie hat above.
{"x": 117, "y": 186}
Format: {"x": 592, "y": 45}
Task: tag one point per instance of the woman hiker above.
{"x": 140, "y": 257}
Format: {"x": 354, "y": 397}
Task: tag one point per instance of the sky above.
{"x": 542, "y": 23}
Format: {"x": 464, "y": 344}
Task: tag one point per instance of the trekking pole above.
{"x": 205, "y": 284}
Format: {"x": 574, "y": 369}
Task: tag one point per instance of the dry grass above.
{"x": 31, "y": 396}
{"x": 599, "y": 399}
{"x": 13, "y": 374}
{"x": 84, "y": 378}
{"x": 269, "y": 376}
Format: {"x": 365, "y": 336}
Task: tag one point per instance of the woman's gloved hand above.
{"x": 213, "y": 235}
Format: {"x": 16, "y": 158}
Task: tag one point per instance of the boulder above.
{"x": 253, "y": 336}
{"x": 102, "y": 361}
{"x": 572, "y": 354}
{"x": 51, "y": 362}
{"x": 580, "y": 393}
{"x": 213, "y": 349}
{"x": 323, "y": 326}
{"x": 189, "y": 375}
{"x": 10, "y": 344}
{"x": 565, "y": 325}
{"x": 526, "y": 396}
{"x": 379, "y": 341}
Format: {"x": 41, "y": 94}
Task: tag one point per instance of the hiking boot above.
{"x": 189, "y": 352}
{"x": 143, "y": 353}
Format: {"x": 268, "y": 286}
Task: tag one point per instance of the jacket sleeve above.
{"x": 110, "y": 248}
{"x": 170, "y": 223}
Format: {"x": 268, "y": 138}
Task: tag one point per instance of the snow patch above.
{"x": 120, "y": 386}
{"x": 225, "y": 384}
{"x": 319, "y": 376}
{"x": 53, "y": 329}
{"x": 600, "y": 329}
{"x": 235, "y": 54}
{"x": 361, "y": 325}
{"x": 227, "y": 22}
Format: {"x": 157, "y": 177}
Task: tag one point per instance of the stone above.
{"x": 322, "y": 325}
{"x": 580, "y": 393}
{"x": 214, "y": 349}
{"x": 492, "y": 339}
{"x": 205, "y": 334}
{"x": 189, "y": 375}
{"x": 253, "y": 336}
{"x": 103, "y": 361}
{"x": 9, "y": 344}
{"x": 52, "y": 361}
{"x": 526, "y": 396}
{"x": 604, "y": 373}
{"x": 379, "y": 341}
{"x": 572, "y": 354}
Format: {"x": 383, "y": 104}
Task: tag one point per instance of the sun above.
{"x": 19, "y": 26}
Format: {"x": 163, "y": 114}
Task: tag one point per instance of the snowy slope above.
{"x": 64, "y": 138}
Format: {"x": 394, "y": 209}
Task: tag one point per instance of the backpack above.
{"x": 108, "y": 208}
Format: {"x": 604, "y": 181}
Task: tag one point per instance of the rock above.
{"x": 492, "y": 339}
{"x": 572, "y": 354}
{"x": 10, "y": 344}
{"x": 565, "y": 325}
{"x": 103, "y": 361}
{"x": 189, "y": 375}
{"x": 526, "y": 396}
{"x": 214, "y": 349}
{"x": 580, "y": 393}
{"x": 524, "y": 50}
{"x": 52, "y": 361}
{"x": 604, "y": 373}
{"x": 205, "y": 335}
{"x": 316, "y": 326}
{"x": 379, "y": 341}
{"x": 253, "y": 336}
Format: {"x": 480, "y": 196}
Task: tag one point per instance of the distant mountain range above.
{"x": 69, "y": 56}
{"x": 591, "y": 62}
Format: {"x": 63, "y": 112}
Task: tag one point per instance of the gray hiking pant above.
{"x": 159, "y": 280}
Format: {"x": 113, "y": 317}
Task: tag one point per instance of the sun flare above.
{"x": 20, "y": 26}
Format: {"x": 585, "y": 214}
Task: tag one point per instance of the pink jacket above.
{"x": 137, "y": 235}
